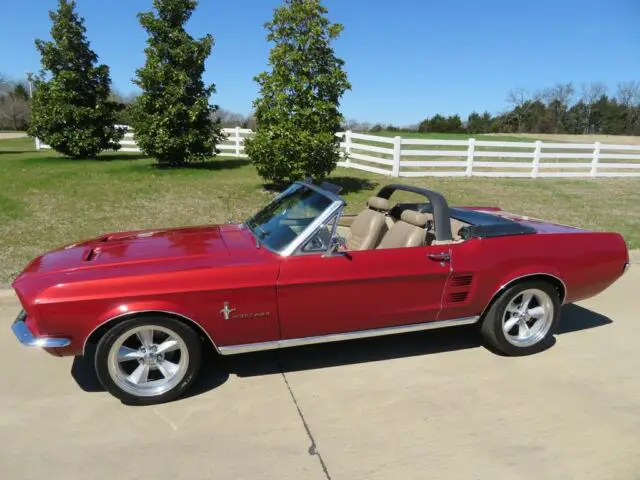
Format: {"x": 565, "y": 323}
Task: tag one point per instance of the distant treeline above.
{"x": 553, "y": 110}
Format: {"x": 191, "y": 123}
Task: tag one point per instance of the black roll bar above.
{"x": 441, "y": 213}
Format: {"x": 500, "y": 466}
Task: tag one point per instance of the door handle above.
{"x": 440, "y": 257}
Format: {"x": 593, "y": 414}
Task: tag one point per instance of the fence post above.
{"x": 37, "y": 143}
{"x": 536, "y": 159}
{"x": 470, "y": 153}
{"x": 397, "y": 153}
{"x": 237, "y": 141}
{"x": 596, "y": 158}
{"x": 347, "y": 148}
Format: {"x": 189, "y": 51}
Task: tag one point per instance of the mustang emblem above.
{"x": 226, "y": 311}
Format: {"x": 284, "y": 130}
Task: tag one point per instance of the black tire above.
{"x": 495, "y": 319}
{"x": 189, "y": 359}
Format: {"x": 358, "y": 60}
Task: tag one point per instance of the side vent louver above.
{"x": 461, "y": 280}
{"x": 459, "y": 286}
{"x": 457, "y": 297}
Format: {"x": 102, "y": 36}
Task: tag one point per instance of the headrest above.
{"x": 414, "y": 218}
{"x": 377, "y": 203}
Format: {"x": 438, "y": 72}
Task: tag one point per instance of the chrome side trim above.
{"x": 25, "y": 337}
{"x": 513, "y": 280}
{"x": 133, "y": 313}
{"x": 338, "y": 337}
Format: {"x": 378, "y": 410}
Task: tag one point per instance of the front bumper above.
{"x": 25, "y": 337}
{"x": 626, "y": 268}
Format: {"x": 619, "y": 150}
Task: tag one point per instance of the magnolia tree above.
{"x": 70, "y": 109}
{"x": 172, "y": 118}
{"x": 297, "y": 111}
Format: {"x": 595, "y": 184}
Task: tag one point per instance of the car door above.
{"x": 360, "y": 290}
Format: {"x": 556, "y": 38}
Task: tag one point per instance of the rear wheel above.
{"x": 522, "y": 320}
{"x": 148, "y": 360}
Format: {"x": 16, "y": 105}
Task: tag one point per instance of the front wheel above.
{"x": 148, "y": 360}
{"x": 522, "y": 320}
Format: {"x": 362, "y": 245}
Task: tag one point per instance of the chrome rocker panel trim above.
{"x": 338, "y": 337}
{"x": 25, "y": 337}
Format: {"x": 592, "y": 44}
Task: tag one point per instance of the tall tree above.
{"x": 172, "y": 118}
{"x": 14, "y": 106}
{"x": 70, "y": 109}
{"x": 297, "y": 111}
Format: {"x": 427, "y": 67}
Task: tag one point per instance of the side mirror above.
{"x": 336, "y": 243}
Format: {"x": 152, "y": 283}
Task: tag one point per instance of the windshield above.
{"x": 281, "y": 221}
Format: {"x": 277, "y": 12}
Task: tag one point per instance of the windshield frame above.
{"x": 336, "y": 204}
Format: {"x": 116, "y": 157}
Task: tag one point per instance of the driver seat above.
{"x": 369, "y": 225}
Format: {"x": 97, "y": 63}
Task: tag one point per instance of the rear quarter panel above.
{"x": 586, "y": 262}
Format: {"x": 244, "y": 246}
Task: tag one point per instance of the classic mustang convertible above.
{"x": 300, "y": 272}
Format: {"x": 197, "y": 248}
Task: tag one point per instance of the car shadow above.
{"x": 217, "y": 369}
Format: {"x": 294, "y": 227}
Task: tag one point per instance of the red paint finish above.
{"x": 360, "y": 290}
{"x": 191, "y": 272}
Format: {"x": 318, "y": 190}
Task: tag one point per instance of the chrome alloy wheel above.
{"x": 148, "y": 360}
{"x": 528, "y": 318}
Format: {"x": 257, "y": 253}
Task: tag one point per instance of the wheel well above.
{"x": 99, "y": 332}
{"x": 543, "y": 277}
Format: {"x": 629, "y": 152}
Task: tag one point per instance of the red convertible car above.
{"x": 301, "y": 272}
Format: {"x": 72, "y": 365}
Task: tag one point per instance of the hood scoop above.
{"x": 92, "y": 254}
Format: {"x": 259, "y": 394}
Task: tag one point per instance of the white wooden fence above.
{"x": 412, "y": 157}
{"x": 232, "y": 146}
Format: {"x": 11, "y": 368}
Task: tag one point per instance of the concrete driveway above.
{"x": 426, "y": 405}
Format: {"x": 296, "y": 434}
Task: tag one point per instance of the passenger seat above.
{"x": 409, "y": 231}
{"x": 369, "y": 225}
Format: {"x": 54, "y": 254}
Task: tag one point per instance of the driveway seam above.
{"x": 313, "y": 448}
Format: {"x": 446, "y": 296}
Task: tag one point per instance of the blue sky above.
{"x": 406, "y": 59}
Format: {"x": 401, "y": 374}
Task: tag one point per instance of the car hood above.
{"x": 214, "y": 244}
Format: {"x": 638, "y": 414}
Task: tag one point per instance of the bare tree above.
{"x": 14, "y": 109}
{"x": 590, "y": 94}
{"x": 4, "y": 83}
{"x": 562, "y": 93}
{"x": 520, "y": 101}
{"x": 229, "y": 119}
{"x": 628, "y": 93}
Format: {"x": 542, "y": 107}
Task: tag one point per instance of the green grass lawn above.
{"x": 47, "y": 201}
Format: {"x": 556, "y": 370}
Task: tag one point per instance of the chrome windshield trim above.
{"x": 25, "y": 337}
{"x": 332, "y": 196}
{"x": 338, "y": 337}
{"x": 336, "y": 203}
{"x": 312, "y": 227}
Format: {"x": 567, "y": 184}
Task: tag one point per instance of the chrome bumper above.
{"x": 626, "y": 267}
{"x": 25, "y": 337}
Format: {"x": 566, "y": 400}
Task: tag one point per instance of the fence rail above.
{"x": 233, "y": 145}
{"x": 414, "y": 157}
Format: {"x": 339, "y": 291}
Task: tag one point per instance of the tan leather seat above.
{"x": 409, "y": 231}
{"x": 369, "y": 225}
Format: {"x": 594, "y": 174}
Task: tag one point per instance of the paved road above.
{"x": 426, "y": 405}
